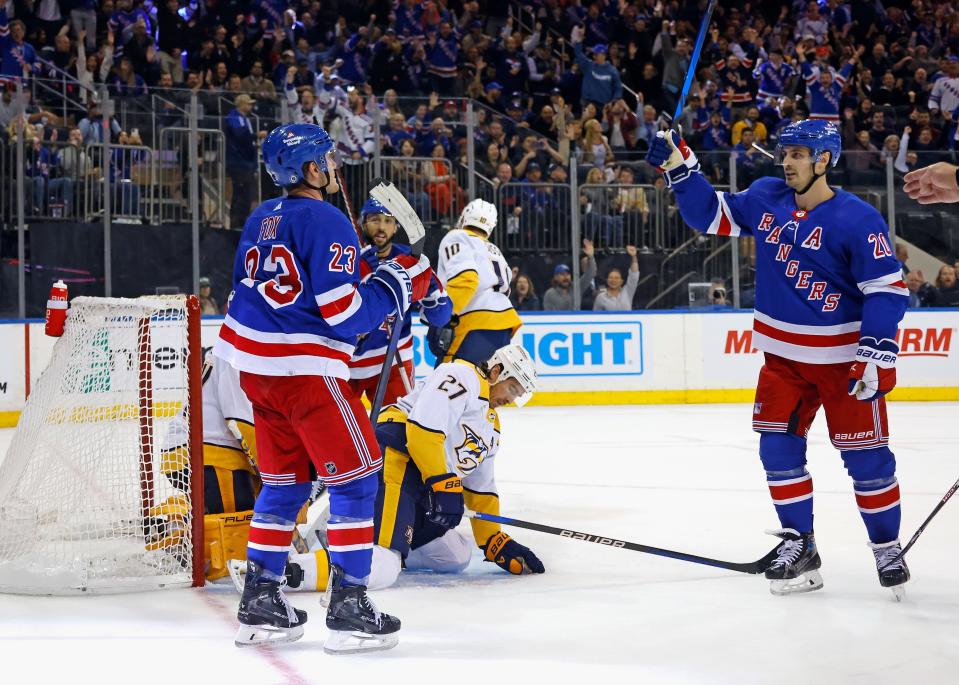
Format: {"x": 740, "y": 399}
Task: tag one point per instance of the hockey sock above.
{"x": 271, "y": 530}
{"x": 792, "y": 496}
{"x": 790, "y": 485}
{"x": 350, "y": 528}
{"x": 878, "y": 502}
{"x": 874, "y": 481}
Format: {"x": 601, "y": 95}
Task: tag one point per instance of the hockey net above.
{"x": 101, "y": 487}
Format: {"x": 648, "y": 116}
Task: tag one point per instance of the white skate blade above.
{"x": 266, "y": 636}
{"x": 806, "y": 582}
{"x": 899, "y": 592}
{"x": 354, "y": 642}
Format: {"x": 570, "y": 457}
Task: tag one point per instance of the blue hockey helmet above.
{"x": 289, "y": 147}
{"x": 373, "y": 206}
{"x": 816, "y": 134}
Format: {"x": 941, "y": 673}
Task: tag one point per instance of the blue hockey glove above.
{"x": 672, "y": 158}
{"x": 511, "y": 556}
{"x": 873, "y": 374}
{"x": 444, "y": 500}
{"x": 436, "y": 308}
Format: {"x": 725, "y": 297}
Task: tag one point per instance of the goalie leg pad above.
{"x": 225, "y": 538}
{"x": 449, "y": 553}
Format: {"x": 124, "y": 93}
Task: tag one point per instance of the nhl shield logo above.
{"x": 330, "y": 467}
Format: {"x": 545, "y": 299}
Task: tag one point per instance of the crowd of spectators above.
{"x": 550, "y": 80}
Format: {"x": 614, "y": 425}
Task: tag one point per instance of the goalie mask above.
{"x": 517, "y": 364}
{"x": 478, "y": 214}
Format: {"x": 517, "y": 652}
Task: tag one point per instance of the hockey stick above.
{"x": 390, "y": 197}
{"x": 694, "y": 60}
{"x": 754, "y": 567}
{"x": 912, "y": 540}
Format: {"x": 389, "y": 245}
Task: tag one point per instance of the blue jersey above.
{"x": 299, "y": 304}
{"x": 823, "y": 102}
{"x": 371, "y": 351}
{"x": 824, "y": 278}
{"x": 772, "y": 79}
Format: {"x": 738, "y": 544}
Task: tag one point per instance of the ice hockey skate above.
{"x": 266, "y": 616}
{"x": 795, "y": 568}
{"x": 893, "y": 576}
{"x": 355, "y": 624}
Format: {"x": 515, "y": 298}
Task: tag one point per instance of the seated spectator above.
{"x": 620, "y": 125}
{"x": 751, "y": 121}
{"x": 441, "y": 186}
{"x": 618, "y": 294}
{"x": 921, "y": 293}
{"x": 878, "y": 132}
{"x": 750, "y": 162}
{"x": 947, "y": 288}
{"x": 91, "y": 126}
{"x": 493, "y": 156}
{"x": 208, "y": 305}
{"x": 408, "y": 177}
{"x": 862, "y": 161}
{"x": 71, "y": 171}
{"x": 600, "y": 216}
{"x": 38, "y": 160}
{"x": 596, "y": 149}
{"x": 523, "y": 295}
{"x": 633, "y": 204}
{"x": 559, "y": 298}
{"x": 256, "y": 85}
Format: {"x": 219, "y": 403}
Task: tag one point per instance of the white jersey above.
{"x": 462, "y": 251}
{"x": 223, "y": 401}
{"x": 945, "y": 95}
{"x": 454, "y": 400}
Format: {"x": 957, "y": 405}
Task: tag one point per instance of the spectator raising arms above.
{"x": 617, "y": 296}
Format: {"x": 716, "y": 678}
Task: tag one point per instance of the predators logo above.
{"x": 471, "y": 452}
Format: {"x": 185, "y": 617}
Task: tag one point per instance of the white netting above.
{"x": 87, "y": 500}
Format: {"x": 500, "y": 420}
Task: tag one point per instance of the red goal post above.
{"x": 101, "y": 489}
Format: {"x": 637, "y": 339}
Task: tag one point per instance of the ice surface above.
{"x": 683, "y": 477}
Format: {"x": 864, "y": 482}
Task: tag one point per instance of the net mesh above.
{"x": 94, "y": 487}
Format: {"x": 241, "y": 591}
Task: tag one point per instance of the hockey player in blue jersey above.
{"x": 829, "y": 298}
{"x": 380, "y": 228}
{"x": 298, "y": 309}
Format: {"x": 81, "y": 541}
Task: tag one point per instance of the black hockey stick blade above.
{"x": 753, "y": 567}
{"x": 932, "y": 514}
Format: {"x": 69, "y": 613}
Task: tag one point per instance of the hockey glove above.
{"x": 439, "y": 338}
{"x": 873, "y": 374}
{"x": 511, "y": 556}
{"x": 672, "y": 158}
{"x": 407, "y": 277}
{"x": 436, "y": 307}
{"x": 444, "y": 500}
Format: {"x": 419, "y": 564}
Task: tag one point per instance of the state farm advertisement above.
{"x": 928, "y": 356}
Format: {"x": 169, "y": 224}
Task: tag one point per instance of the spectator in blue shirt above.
{"x": 601, "y": 82}
{"x": 241, "y": 158}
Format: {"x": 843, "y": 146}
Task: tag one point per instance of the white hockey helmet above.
{"x": 517, "y": 364}
{"x": 478, "y": 214}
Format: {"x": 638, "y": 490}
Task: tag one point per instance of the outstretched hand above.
{"x": 932, "y": 184}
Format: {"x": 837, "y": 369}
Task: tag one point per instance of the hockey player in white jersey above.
{"x": 476, "y": 277}
{"x": 231, "y": 481}
{"x": 439, "y": 446}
